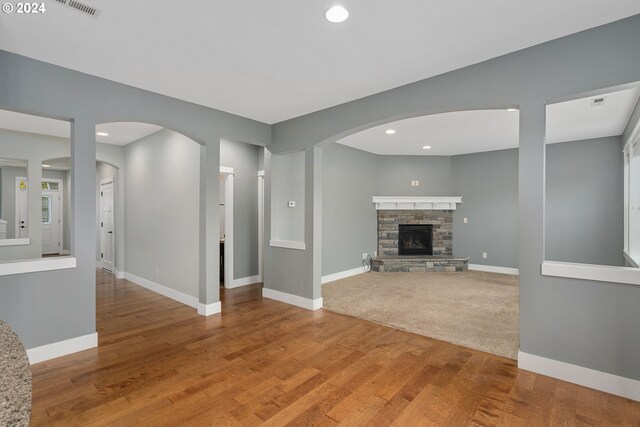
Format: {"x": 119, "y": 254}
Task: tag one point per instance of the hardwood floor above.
{"x": 264, "y": 362}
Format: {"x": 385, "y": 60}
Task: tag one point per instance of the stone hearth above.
{"x": 393, "y": 213}
{"x": 411, "y": 264}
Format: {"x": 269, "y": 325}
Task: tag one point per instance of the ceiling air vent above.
{"x": 80, "y": 7}
{"x": 595, "y": 102}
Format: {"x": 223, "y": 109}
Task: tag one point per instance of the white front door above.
{"x": 106, "y": 224}
{"x": 51, "y": 222}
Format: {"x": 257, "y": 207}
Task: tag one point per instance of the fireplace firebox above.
{"x": 415, "y": 239}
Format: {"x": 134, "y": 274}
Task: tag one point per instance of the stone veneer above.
{"x": 441, "y": 220}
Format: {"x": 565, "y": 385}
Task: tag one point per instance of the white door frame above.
{"x": 61, "y": 195}
{"x": 228, "y": 225}
{"x": 260, "y": 220}
{"x": 113, "y": 206}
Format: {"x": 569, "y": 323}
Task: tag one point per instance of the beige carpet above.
{"x": 473, "y": 309}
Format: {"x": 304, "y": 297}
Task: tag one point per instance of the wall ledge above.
{"x": 36, "y": 265}
{"x": 601, "y": 273}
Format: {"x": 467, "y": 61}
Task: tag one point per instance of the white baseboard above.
{"x": 587, "y": 377}
{"x": 309, "y": 304}
{"x": 62, "y": 348}
{"x": 243, "y": 281}
{"x": 341, "y": 275}
{"x": 163, "y": 290}
{"x": 119, "y": 274}
{"x": 494, "y": 269}
{"x": 209, "y": 309}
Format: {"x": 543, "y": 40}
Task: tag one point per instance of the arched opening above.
{"x": 451, "y": 178}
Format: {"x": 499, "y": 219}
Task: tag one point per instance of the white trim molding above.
{"x": 62, "y": 348}
{"x": 226, "y": 170}
{"x": 416, "y": 203}
{"x": 580, "y": 375}
{"x": 601, "y": 273}
{"x": 287, "y": 244}
{"x": 341, "y": 275}
{"x": 494, "y": 269}
{"x": 119, "y": 274}
{"x": 163, "y": 290}
{"x": 35, "y": 265}
{"x": 15, "y": 242}
{"x": 209, "y": 309}
{"x": 244, "y": 281}
{"x": 298, "y": 301}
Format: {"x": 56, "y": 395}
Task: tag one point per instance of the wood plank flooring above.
{"x": 266, "y": 363}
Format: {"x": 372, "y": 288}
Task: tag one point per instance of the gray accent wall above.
{"x": 349, "y": 220}
{"x": 395, "y": 173}
{"x": 582, "y": 322}
{"x": 584, "y": 202}
{"x": 243, "y": 158}
{"x": 161, "y": 216}
{"x": 488, "y": 184}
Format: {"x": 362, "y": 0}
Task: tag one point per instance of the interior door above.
{"x": 22, "y": 215}
{"x": 106, "y": 223}
{"x": 51, "y": 222}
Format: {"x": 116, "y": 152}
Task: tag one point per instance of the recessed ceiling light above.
{"x": 102, "y": 134}
{"x": 426, "y": 147}
{"x": 512, "y": 109}
{"x": 337, "y": 14}
{"x": 390, "y": 131}
{"x": 46, "y": 166}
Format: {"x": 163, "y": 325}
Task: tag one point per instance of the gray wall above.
{"x": 633, "y": 120}
{"x": 161, "y": 216}
{"x": 584, "y": 202}
{"x": 51, "y": 306}
{"x": 243, "y": 158}
{"x": 349, "y": 219}
{"x": 586, "y": 323}
{"x": 395, "y": 173}
{"x": 488, "y": 184}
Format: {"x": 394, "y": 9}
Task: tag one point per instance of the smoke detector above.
{"x": 81, "y": 7}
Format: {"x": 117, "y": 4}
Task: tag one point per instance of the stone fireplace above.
{"x": 416, "y": 234}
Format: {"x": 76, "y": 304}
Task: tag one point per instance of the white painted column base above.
{"x": 209, "y": 309}
{"x": 610, "y": 383}
{"x": 309, "y": 304}
{"x": 62, "y": 348}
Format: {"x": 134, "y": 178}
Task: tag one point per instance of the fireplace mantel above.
{"x": 416, "y": 203}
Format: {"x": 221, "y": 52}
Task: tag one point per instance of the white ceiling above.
{"x": 448, "y": 134}
{"x": 274, "y": 60}
{"x": 578, "y": 119}
{"x": 120, "y": 133}
{"x": 464, "y": 132}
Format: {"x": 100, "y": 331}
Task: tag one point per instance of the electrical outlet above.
{"x": 484, "y": 255}
{"x": 417, "y": 183}
{"x": 465, "y": 220}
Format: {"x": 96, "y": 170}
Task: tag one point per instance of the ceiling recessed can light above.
{"x": 337, "y": 14}
{"x": 390, "y": 131}
{"x": 102, "y": 134}
{"x": 426, "y": 147}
